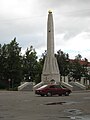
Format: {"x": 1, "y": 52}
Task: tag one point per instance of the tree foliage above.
{"x": 15, "y": 67}
{"x": 77, "y": 70}
{"x": 30, "y": 63}
{"x": 63, "y": 62}
{"x": 10, "y": 67}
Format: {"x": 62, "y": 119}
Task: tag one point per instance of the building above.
{"x": 83, "y": 63}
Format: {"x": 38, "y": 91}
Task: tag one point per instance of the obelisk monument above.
{"x": 50, "y": 68}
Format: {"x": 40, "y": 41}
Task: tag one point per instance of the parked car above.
{"x": 52, "y": 89}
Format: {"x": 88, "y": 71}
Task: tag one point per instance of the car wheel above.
{"x": 49, "y": 94}
{"x": 66, "y": 93}
{"x": 42, "y": 95}
{"x": 60, "y": 94}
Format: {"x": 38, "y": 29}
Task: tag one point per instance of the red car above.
{"x": 50, "y": 90}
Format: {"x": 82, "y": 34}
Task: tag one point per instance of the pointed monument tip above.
{"x": 49, "y": 11}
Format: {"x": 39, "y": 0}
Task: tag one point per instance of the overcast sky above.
{"x": 27, "y": 21}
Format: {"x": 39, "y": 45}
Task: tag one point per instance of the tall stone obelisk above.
{"x": 50, "y": 68}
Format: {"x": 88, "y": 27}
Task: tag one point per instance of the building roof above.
{"x": 82, "y": 62}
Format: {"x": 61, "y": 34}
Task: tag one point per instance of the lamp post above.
{"x": 9, "y": 80}
{"x": 12, "y": 84}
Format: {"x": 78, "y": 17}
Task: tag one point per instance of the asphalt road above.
{"x": 19, "y": 105}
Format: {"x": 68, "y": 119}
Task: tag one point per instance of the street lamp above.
{"x": 9, "y": 80}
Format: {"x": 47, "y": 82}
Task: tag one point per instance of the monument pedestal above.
{"x": 47, "y": 78}
{"x": 50, "y": 70}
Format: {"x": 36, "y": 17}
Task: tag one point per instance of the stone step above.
{"x": 26, "y": 86}
{"x": 75, "y": 87}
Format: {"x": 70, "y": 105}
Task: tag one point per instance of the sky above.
{"x": 27, "y": 21}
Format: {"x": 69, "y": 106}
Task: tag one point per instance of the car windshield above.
{"x": 63, "y": 86}
{"x": 60, "y": 86}
{"x": 43, "y": 86}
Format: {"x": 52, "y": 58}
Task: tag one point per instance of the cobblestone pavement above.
{"x": 19, "y": 105}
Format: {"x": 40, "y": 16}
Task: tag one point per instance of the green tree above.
{"x": 40, "y": 66}
{"x": 77, "y": 70}
{"x": 63, "y": 62}
{"x": 10, "y": 64}
{"x": 14, "y": 62}
{"x": 3, "y": 66}
{"x": 79, "y": 67}
{"x": 78, "y": 57}
{"x": 30, "y": 64}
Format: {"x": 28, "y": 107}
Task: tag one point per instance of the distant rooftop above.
{"x": 82, "y": 62}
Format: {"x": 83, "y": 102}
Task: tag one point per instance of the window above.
{"x": 52, "y": 86}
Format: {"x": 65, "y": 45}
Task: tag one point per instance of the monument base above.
{"x": 47, "y": 78}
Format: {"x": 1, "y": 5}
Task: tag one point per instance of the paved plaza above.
{"x": 20, "y": 105}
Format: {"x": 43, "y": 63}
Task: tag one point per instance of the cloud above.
{"x": 80, "y": 41}
{"x": 77, "y": 45}
{"x": 27, "y": 21}
{"x": 80, "y": 13}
